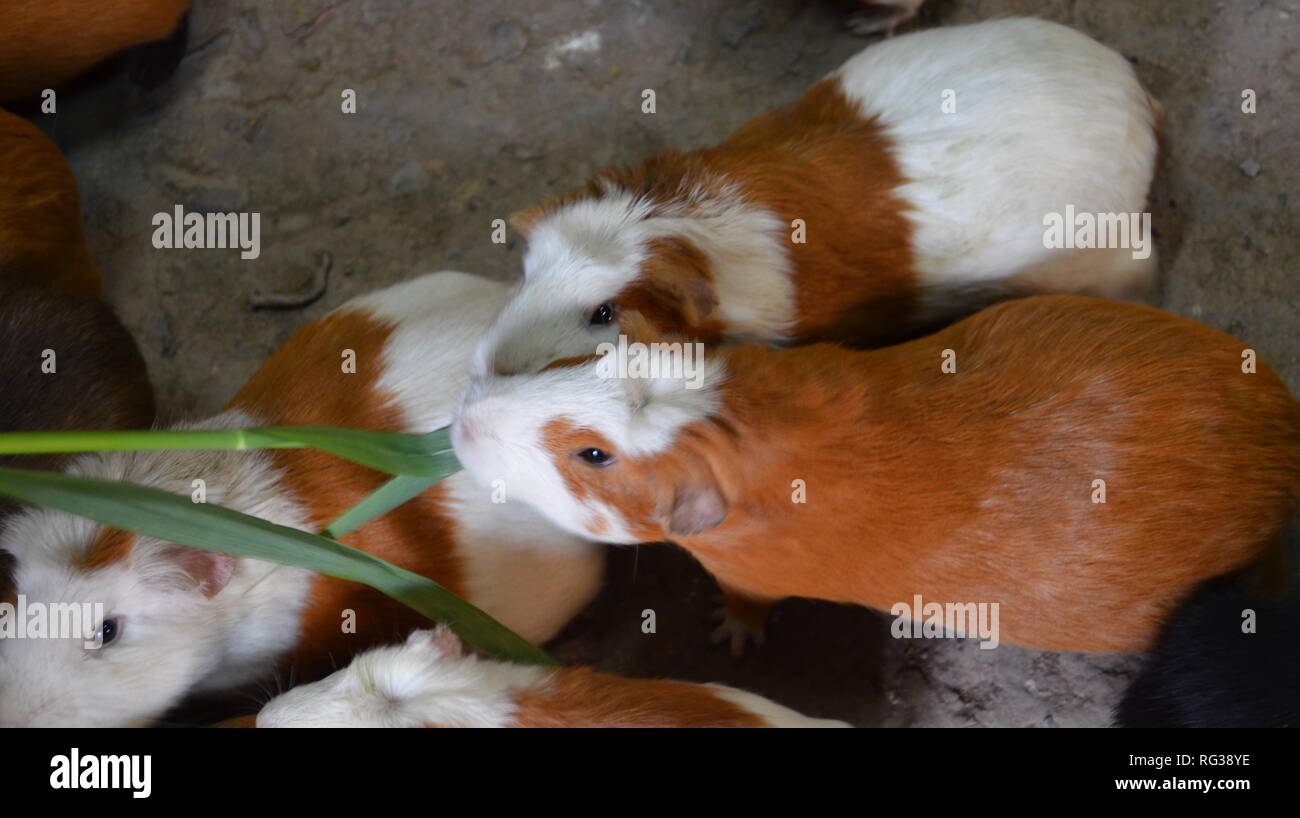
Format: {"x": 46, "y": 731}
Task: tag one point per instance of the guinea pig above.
{"x": 909, "y": 187}
{"x": 180, "y": 620}
{"x": 41, "y": 241}
{"x": 1081, "y": 462}
{"x": 1226, "y": 659}
{"x": 47, "y": 42}
{"x": 66, "y": 362}
{"x": 430, "y": 682}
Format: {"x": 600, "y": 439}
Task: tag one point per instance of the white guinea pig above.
{"x": 179, "y": 620}
{"x": 430, "y": 682}
{"x": 909, "y": 187}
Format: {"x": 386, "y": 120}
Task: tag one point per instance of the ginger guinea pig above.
{"x": 179, "y": 620}
{"x": 47, "y": 42}
{"x": 1081, "y": 462}
{"x": 1226, "y": 659}
{"x": 430, "y": 682}
{"x": 41, "y": 240}
{"x": 866, "y": 212}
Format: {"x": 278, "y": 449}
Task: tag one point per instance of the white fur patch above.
{"x": 411, "y": 685}
{"x": 1045, "y": 117}
{"x": 774, "y": 714}
{"x": 438, "y": 320}
{"x": 532, "y": 576}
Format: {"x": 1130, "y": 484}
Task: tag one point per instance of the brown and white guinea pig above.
{"x": 41, "y": 241}
{"x": 873, "y": 476}
{"x": 1226, "y": 659}
{"x": 861, "y": 213}
{"x": 180, "y": 620}
{"x": 47, "y": 42}
{"x": 430, "y": 682}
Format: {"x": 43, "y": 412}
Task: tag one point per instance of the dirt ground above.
{"x": 469, "y": 111}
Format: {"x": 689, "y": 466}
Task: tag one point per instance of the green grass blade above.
{"x": 395, "y": 492}
{"x": 426, "y": 455}
{"x": 177, "y": 519}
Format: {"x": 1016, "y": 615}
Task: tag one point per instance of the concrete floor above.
{"x": 469, "y": 111}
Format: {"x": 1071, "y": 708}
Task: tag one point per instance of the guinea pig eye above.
{"x": 603, "y": 315}
{"x": 109, "y": 631}
{"x": 596, "y": 457}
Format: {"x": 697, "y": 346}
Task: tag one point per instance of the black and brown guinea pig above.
{"x": 66, "y": 362}
{"x": 1226, "y": 659}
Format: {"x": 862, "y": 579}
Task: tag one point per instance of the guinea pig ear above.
{"x": 447, "y": 642}
{"x": 677, "y": 280}
{"x": 442, "y": 640}
{"x": 524, "y": 220}
{"x": 210, "y": 570}
{"x": 697, "y": 506}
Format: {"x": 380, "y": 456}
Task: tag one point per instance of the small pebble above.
{"x": 1250, "y": 168}
{"x": 409, "y": 178}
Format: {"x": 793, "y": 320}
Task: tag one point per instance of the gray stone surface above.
{"x": 468, "y": 111}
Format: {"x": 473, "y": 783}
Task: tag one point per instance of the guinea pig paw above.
{"x": 735, "y": 630}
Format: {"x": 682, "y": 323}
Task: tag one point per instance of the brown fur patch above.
{"x": 575, "y": 360}
{"x": 41, "y": 240}
{"x": 675, "y": 291}
{"x": 303, "y": 384}
{"x": 48, "y": 42}
{"x": 977, "y": 486}
{"x": 110, "y": 546}
{"x": 580, "y": 697}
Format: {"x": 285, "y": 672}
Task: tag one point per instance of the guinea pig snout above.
{"x": 472, "y": 427}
